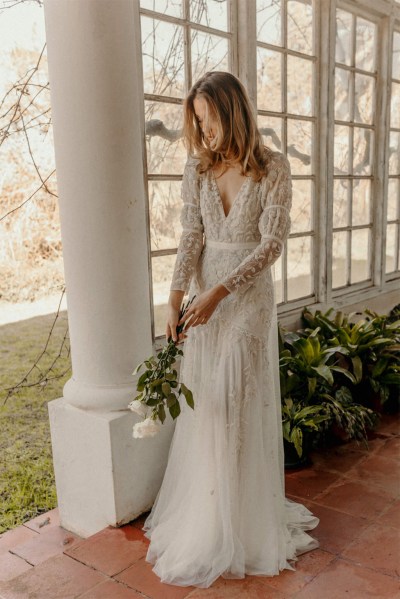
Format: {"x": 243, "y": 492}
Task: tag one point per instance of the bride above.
{"x": 221, "y": 509}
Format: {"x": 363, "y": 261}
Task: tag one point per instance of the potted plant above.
{"x": 297, "y": 422}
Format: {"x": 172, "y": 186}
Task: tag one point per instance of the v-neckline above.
{"x": 214, "y": 181}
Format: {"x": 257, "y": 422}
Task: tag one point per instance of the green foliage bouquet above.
{"x": 159, "y": 388}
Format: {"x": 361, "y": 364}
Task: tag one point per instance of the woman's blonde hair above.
{"x": 237, "y": 139}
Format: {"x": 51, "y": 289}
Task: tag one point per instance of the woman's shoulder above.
{"x": 274, "y": 161}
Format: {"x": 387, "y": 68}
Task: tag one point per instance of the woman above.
{"x": 221, "y": 508}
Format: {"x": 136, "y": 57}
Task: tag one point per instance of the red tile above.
{"x": 15, "y": 537}
{"x": 307, "y": 567}
{"x": 250, "y": 587}
{"x": 59, "y": 577}
{"x": 378, "y": 548}
{"x": 109, "y": 589}
{"x": 44, "y": 522}
{"x": 374, "y": 444}
{"x": 356, "y": 498}
{"x": 43, "y": 546}
{"x": 309, "y": 483}
{"x": 336, "y": 530}
{"x": 140, "y": 576}
{"x": 390, "y": 449}
{"x": 337, "y": 459}
{"x": 111, "y": 550}
{"x": 391, "y": 516}
{"x": 378, "y": 471}
{"x": 342, "y": 579}
{"x": 390, "y": 424}
{"x": 11, "y": 566}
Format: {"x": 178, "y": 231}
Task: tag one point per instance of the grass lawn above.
{"x": 27, "y": 486}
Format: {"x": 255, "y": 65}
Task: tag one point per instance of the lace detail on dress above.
{"x": 274, "y": 226}
{"x": 191, "y": 241}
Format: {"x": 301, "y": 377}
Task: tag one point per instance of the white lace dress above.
{"x": 221, "y": 508}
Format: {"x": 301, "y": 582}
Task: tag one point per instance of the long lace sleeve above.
{"x": 191, "y": 241}
{"x": 274, "y": 225}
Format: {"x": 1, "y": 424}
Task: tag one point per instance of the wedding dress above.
{"x": 221, "y": 508}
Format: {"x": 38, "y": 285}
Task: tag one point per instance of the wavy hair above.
{"x": 238, "y": 139}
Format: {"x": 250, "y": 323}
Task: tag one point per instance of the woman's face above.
{"x": 207, "y": 125}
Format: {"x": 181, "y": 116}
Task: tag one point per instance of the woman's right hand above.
{"x": 173, "y": 310}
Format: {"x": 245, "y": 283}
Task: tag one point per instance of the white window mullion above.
{"x": 326, "y": 19}
{"x": 246, "y": 40}
{"x": 384, "y": 70}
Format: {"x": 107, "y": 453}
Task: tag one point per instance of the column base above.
{"x": 104, "y": 476}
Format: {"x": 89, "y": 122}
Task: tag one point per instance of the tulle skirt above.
{"x": 221, "y": 509}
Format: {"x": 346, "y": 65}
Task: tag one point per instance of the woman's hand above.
{"x": 203, "y": 306}
{"x": 174, "y": 306}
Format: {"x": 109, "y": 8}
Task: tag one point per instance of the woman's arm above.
{"x": 189, "y": 248}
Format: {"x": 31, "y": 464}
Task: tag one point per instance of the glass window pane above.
{"x": 165, "y": 209}
{"x": 169, "y": 7}
{"x": 271, "y": 130}
{"x": 394, "y": 151}
{"x": 163, "y": 59}
{"x": 299, "y": 86}
{"x": 344, "y": 22}
{"x": 209, "y": 53}
{"x": 166, "y": 153}
{"x": 299, "y": 142}
{"x": 365, "y": 44}
{"x": 269, "y": 78}
{"x": 341, "y": 150}
{"x": 162, "y": 270}
{"x": 302, "y": 206}
{"x": 277, "y": 266}
{"x": 361, "y": 202}
{"x": 360, "y": 255}
{"x": 393, "y": 206}
{"x": 396, "y": 55}
{"x": 364, "y": 98}
{"x": 391, "y": 248}
{"x": 300, "y": 26}
{"x": 269, "y": 29}
{"x": 299, "y": 267}
{"x": 395, "y": 105}
{"x": 363, "y": 147}
{"x": 340, "y": 202}
{"x": 339, "y": 259}
{"x": 211, "y": 13}
{"x": 342, "y": 94}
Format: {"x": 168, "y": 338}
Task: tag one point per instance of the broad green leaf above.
{"x": 325, "y": 372}
{"x": 175, "y": 410}
{"x": 166, "y": 389}
{"x": 161, "y": 412}
{"x": 138, "y": 367}
{"x": 171, "y": 399}
{"x": 345, "y": 372}
{"x": 188, "y": 395}
{"x": 357, "y": 368}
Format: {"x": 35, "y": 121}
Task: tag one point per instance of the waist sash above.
{"x": 231, "y": 245}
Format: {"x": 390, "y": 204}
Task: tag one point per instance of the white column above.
{"x": 103, "y": 475}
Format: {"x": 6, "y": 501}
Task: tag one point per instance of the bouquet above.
{"x": 158, "y": 387}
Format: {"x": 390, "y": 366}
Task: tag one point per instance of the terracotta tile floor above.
{"x": 355, "y": 492}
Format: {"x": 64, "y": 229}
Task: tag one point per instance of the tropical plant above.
{"x": 298, "y": 419}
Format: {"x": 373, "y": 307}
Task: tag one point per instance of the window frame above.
{"x": 243, "y": 63}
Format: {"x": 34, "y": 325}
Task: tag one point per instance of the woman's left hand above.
{"x": 203, "y": 306}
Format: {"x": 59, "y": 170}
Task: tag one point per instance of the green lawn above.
{"x": 27, "y": 486}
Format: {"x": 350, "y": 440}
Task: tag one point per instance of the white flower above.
{"x": 139, "y": 407}
{"x": 147, "y": 428}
